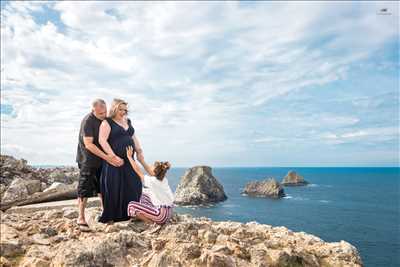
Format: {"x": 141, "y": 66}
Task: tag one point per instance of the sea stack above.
{"x": 198, "y": 186}
{"x": 293, "y": 179}
{"x": 267, "y": 188}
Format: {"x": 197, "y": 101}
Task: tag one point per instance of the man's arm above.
{"x": 88, "y": 133}
{"x": 89, "y": 145}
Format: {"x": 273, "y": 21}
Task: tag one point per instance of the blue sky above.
{"x": 217, "y": 83}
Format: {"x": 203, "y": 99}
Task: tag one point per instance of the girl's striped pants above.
{"x": 146, "y": 208}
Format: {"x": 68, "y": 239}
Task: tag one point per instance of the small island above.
{"x": 198, "y": 186}
{"x": 268, "y": 188}
{"x": 293, "y": 179}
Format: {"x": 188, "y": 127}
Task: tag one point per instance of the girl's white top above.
{"x": 159, "y": 191}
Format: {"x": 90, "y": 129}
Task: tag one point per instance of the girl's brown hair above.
{"x": 160, "y": 169}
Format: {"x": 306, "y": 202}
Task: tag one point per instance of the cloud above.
{"x": 366, "y": 135}
{"x": 200, "y": 77}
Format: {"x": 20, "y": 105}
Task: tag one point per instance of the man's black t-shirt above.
{"x": 89, "y": 128}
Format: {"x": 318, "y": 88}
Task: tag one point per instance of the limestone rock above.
{"x": 33, "y": 186}
{"x": 70, "y": 213}
{"x": 2, "y": 189}
{"x": 11, "y": 169}
{"x": 43, "y": 186}
{"x": 10, "y": 245}
{"x": 198, "y": 186}
{"x": 16, "y": 191}
{"x": 4, "y": 262}
{"x": 21, "y": 184}
{"x": 34, "y": 262}
{"x": 293, "y": 179}
{"x": 63, "y": 175}
{"x": 56, "y": 186}
{"x": 47, "y": 240}
{"x": 266, "y": 188}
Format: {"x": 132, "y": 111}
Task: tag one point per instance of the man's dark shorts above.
{"x": 89, "y": 181}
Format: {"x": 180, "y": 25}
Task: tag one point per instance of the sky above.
{"x": 208, "y": 83}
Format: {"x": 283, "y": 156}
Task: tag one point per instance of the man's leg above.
{"x": 81, "y": 207}
{"x": 84, "y": 190}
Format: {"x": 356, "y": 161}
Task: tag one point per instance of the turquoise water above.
{"x": 359, "y": 205}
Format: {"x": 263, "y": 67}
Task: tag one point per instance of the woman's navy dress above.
{"x": 119, "y": 185}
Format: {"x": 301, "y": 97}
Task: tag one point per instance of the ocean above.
{"x": 358, "y": 205}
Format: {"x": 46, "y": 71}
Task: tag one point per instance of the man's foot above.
{"x": 83, "y": 226}
{"x": 81, "y": 221}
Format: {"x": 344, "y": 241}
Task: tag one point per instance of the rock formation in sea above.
{"x": 198, "y": 186}
{"x": 50, "y": 237}
{"x": 266, "y": 188}
{"x": 293, "y": 179}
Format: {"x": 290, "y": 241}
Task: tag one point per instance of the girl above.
{"x": 156, "y": 202}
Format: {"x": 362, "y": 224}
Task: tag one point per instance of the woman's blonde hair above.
{"x": 115, "y": 106}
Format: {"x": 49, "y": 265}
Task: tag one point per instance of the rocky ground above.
{"x": 51, "y": 238}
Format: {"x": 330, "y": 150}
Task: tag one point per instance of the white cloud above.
{"x": 193, "y": 73}
{"x": 364, "y": 135}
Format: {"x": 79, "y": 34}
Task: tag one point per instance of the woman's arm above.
{"x": 135, "y": 166}
{"x": 89, "y": 145}
{"x": 147, "y": 167}
{"x": 104, "y": 132}
{"x": 138, "y": 147}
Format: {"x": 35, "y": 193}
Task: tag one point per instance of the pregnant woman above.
{"x": 118, "y": 185}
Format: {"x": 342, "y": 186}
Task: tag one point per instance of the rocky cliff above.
{"x": 51, "y": 238}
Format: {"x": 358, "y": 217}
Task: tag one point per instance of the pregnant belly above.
{"x": 119, "y": 146}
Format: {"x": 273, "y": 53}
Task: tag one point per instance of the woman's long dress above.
{"x": 119, "y": 185}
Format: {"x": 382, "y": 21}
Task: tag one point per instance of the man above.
{"x": 89, "y": 158}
